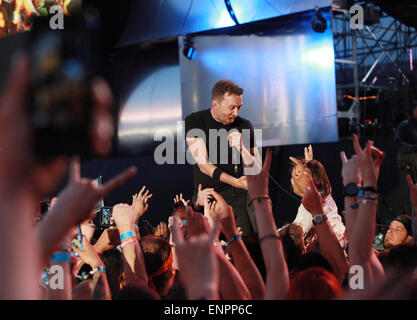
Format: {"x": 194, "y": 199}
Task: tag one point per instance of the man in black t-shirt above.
{"x": 223, "y": 147}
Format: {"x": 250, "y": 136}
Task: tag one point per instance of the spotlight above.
{"x": 318, "y": 23}
{"x": 231, "y": 11}
{"x": 189, "y": 50}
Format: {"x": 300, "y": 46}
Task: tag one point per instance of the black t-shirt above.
{"x": 217, "y": 139}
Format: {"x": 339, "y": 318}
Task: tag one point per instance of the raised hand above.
{"x": 82, "y": 194}
{"x": 258, "y": 185}
{"x": 178, "y": 198}
{"x": 374, "y": 151}
{"x": 225, "y": 212}
{"x": 88, "y": 254}
{"x": 162, "y": 230}
{"x": 351, "y": 171}
{"x": 369, "y": 167}
{"x": 308, "y": 153}
{"x": 197, "y": 262}
{"x": 88, "y": 228}
{"x": 312, "y": 199}
{"x": 202, "y": 195}
{"x": 140, "y": 203}
{"x": 123, "y": 217}
{"x": 15, "y": 157}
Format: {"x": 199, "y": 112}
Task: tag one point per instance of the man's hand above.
{"x": 235, "y": 140}
{"x": 140, "y": 203}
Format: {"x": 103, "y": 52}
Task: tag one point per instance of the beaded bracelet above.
{"x": 231, "y": 240}
{"x": 58, "y": 257}
{"x": 259, "y": 199}
{"x": 125, "y": 242}
{"x": 99, "y": 268}
{"x": 269, "y": 236}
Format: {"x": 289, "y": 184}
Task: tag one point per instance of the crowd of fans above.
{"x": 200, "y": 253}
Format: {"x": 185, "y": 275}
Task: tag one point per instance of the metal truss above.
{"x": 366, "y": 57}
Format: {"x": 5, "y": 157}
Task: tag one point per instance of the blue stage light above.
{"x": 189, "y": 50}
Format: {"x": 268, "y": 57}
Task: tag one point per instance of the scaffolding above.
{"x": 375, "y": 56}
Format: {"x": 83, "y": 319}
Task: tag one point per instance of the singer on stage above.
{"x": 222, "y": 153}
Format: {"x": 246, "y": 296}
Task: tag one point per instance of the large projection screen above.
{"x": 288, "y": 79}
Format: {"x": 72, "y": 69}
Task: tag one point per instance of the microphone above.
{"x": 235, "y": 158}
{"x": 235, "y": 155}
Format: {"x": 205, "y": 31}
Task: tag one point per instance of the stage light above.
{"x": 231, "y": 11}
{"x": 318, "y": 23}
{"x": 189, "y": 50}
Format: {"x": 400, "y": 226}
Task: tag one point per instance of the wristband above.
{"x": 60, "y": 257}
{"x": 367, "y": 200}
{"x": 368, "y": 194}
{"x": 99, "y": 268}
{"x": 231, "y": 240}
{"x": 133, "y": 240}
{"x": 82, "y": 276}
{"x": 216, "y": 174}
{"x": 127, "y": 235}
{"x": 259, "y": 199}
{"x": 269, "y": 236}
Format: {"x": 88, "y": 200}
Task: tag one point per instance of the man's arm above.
{"x": 277, "y": 277}
{"x": 252, "y": 163}
{"x": 199, "y": 152}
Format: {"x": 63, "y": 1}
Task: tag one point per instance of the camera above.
{"x": 104, "y": 218}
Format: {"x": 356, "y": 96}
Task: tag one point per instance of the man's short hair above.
{"x": 222, "y": 87}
